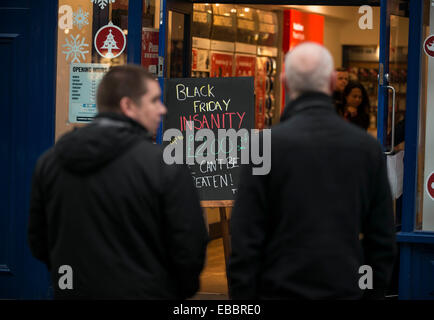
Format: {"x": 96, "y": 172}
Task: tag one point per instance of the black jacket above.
{"x": 295, "y": 232}
{"x": 361, "y": 119}
{"x": 130, "y": 226}
{"x": 338, "y": 101}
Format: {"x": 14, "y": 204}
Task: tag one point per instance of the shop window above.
{"x": 239, "y": 41}
{"x": 201, "y": 34}
{"x": 202, "y": 16}
{"x": 425, "y": 186}
{"x": 247, "y": 25}
{"x": 85, "y": 51}
{"x": 224, "y": 23}
{"x": 151, "y": 8}
{"x": 268, "y": 28}
{"x": 92, "y": 37}
{"x": 176, "y": 52}
{"x": 150, "y": 35}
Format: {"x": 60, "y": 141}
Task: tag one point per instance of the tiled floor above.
{"x": 213, "y": 278}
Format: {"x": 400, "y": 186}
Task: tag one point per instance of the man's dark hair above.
{"x": 341, "y": 69}
{"x": 122, "y": 81}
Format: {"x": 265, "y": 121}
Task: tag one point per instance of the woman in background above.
{"x": 356, "y": 105}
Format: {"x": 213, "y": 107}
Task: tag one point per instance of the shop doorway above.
{"x": 230, "y": 40}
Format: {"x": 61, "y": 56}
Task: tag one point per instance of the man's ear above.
{"x": 283, "y": 80}
{"x": 333, "y": 80}
{"x": 127, "y": 107}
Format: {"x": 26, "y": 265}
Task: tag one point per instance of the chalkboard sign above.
{"x": 211, "y": 103}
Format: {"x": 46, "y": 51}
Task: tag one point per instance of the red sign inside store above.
{"x": 245, "y": 66}
{"x": 194, "y": 59}
{"x": 150, "y": 50}
{"x": 221, "y": 65}
{"x": 300, "y": 26}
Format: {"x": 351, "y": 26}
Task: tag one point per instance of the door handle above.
{"x": 392, "y": 146}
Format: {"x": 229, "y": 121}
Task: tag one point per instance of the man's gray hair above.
{"x": 308, "y": 67}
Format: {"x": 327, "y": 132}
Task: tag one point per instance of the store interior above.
{"x": 251, "y": 40}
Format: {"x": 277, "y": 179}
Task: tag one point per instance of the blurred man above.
{"x": 342, "y": 80}
{"x": 322, "y": 217}
{"x": 108, "y": 217}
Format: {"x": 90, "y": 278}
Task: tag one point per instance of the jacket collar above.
{"x": 119, "y": 120}
{"x": 307, "y": 100}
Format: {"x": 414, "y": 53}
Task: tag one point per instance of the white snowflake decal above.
{"x": 75, "y": 49}
{"x": 102, "y": 3}
{"x": 80, "y": 18}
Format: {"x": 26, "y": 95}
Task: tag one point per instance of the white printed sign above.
{"x": 85, "y": 78}
{"x": 395, "y": 172}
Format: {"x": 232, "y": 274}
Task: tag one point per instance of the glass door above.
{"x": 392, "y": 100}
{"x": 392, "y": 93}
{"x": 178, "y": 56}
{"x": 174, "y": 51}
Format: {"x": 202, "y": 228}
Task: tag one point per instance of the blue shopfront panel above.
{"x": 422, "y": 272}
{"x": 416, "y": 279}
{"x": 8, "y": 45}
{"x": 27, "y": 46}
